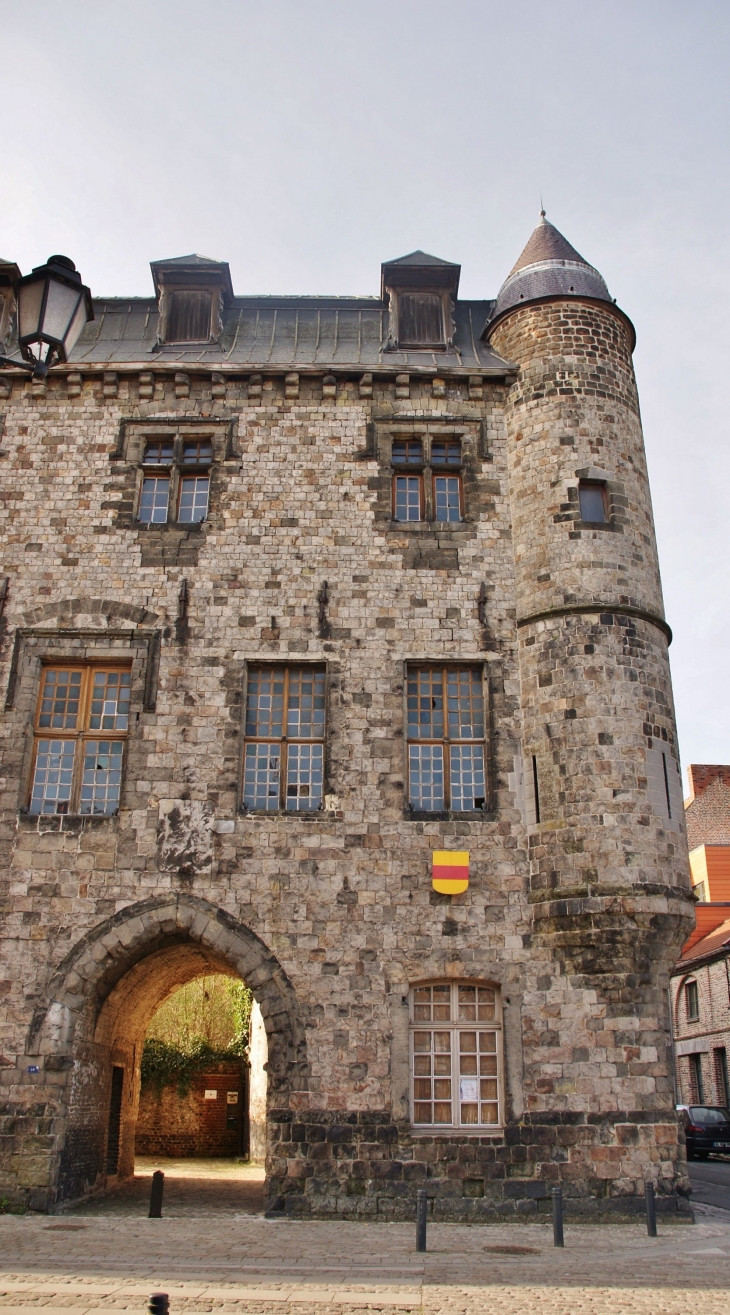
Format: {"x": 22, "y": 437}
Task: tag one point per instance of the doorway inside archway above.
{"x": 203, "y": 1080}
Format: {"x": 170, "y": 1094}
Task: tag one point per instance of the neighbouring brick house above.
{"x": 208, "y": 1119}
{"x": 301, "y": 591}
{"x": 701, "y": 978}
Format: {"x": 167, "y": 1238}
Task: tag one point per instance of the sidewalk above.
{"x": 247, "y": 1265}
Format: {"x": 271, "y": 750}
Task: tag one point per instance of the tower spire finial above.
{"x": 542, "y": 208}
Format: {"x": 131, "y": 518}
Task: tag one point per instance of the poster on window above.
{"x": 468, "y": 1089}
{"x": 450, "y": 871}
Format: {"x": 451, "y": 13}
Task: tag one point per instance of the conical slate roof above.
{"x": 549, "y": 266}
{"x": 546, "y": 243}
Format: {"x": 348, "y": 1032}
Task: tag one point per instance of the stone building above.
{"x": 300, "y": 591}
{"x": 701, "y": 978}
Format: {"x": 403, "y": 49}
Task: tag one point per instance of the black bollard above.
{"x": 158, "y": 1303}
{"x": 650, "y": 1209}
{"x": 421, "y": 1208}
{"x": 158, "y": 1183}
{"x": 558, "y": 1240}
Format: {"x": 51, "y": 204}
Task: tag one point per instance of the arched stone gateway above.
{"x": 88, "y": 1036}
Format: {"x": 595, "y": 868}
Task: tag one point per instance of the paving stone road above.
{"x": 212, "y": 1252}
{"x": 246, "y": 1265}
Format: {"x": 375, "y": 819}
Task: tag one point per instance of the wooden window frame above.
{"x": 455, "y": 1026}
{"x": 175, "y": 471}
{"x": 445, "y": 473}
{"x": 82, "y": 735}
{"x": 446, "y": 741}
{"x": 284, "y": 740}
{"x": 688, "y": 995}
{"x": 410, "y": 473}
{"x": 427, "y": 471}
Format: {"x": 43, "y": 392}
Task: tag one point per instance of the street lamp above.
{"x": 53, "y": 307}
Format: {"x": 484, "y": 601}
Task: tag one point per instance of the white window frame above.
{"x": 455, "y": 1027}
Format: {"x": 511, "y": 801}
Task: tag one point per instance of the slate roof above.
{"x": 293, "y": 332}
{"x": 708, "y": 816}
{"x": 714, "y": 942}
{"x": 549, "y": 266}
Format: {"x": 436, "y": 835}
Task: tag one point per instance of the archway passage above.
{"x": 102, "y": 1000}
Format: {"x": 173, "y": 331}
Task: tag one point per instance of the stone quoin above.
{"x": 299, "y": 592}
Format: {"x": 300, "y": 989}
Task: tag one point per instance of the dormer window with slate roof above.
{"x": 9, "y": 275}
{"x": 191, "y": 292}
{"x": 421, "y": 292}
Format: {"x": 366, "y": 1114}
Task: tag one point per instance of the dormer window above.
{"x": 189, "y": 316}
{"x": 421, "y": 294}
{"x": 420, "y": 319}
{"x": 192, "y": 292}
{"x": 9, "y": 275}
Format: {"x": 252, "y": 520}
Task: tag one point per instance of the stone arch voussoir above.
{"x": 104, "y": 611}
{"x": 101, "y": 959}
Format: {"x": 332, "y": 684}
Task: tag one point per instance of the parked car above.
{"x": 706, "y": 1129}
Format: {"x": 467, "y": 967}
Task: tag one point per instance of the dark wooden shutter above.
{"x": 188, "y": 317}
{"x": 420, "y": 319}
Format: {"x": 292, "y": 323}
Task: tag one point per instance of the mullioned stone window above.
{"x": 446, "y": 739}
{"x": 456, "y": 1056}
{"x": 81, "y": 725}
{"x": 283, "y": 767}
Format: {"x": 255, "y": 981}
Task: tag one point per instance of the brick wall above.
{"x": 174, "y": 1125}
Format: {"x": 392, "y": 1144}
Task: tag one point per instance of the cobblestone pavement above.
{"x": 192, "y": 1187}
{"x": 247, "y": 1265}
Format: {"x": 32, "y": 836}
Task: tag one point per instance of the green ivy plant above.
{"x": 164, "y": 1064}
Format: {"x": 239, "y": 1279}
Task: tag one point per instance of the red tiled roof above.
{"x": 714, "y": 941}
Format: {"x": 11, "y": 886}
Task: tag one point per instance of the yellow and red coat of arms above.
{"x": 450, "y": 871}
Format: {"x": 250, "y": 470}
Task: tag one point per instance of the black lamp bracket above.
{"x": 39, "y": 370}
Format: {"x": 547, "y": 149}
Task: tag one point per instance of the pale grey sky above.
{"x": 305, "y": 143}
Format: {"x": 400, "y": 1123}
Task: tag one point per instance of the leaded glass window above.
{"x": 446, "y": 743}
{"x": 74, "y": 770}
{"x": 284, "y": 750}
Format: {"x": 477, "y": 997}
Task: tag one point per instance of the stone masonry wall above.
{"x": 342, "y": 899}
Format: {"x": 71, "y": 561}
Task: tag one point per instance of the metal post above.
{"x": 558, "y": 1240}
{"x": 158, "y": 1183}
{"x": 650, "y": 1209}
{"x": 421, "y": 1208}
{"x": 158, "y": 1303}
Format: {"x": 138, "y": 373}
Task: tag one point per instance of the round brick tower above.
{"x": 609, "y": 883}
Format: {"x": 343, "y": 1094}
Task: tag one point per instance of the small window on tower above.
{"x": 593, "y": 503}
